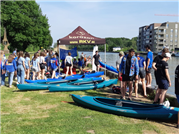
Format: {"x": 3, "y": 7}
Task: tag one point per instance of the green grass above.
{"x": 44, "y": 112}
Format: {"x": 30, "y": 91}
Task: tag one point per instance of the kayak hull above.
{"x": 45, "y": 85}
{"x": 111, "y": 68}
{"x": 69, "y": 87}
{"x": 77, "y": 76}
{"x": 129, "y": 108}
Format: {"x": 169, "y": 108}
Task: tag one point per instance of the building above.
{"x": 158, "y": 35}
{"x": 116, "y": 48}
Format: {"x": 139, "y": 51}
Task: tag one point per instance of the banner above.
{"x": 64, "y": 53}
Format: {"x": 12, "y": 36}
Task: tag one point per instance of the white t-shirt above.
{"x": 118, "y": 62}
{"x": 68, "y": 59}
{"x": 41, "y": 59}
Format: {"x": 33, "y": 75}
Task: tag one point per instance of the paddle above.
{"x": 88, "y": 82}
{"x": 61, "y": 81}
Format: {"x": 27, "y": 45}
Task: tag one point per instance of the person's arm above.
{"x": 148, "y": 61}
{"x": 120, "y": 67}
{"x": 168, "y": 77}
{"x": 14, "y": 64}
{"x": 144, "y": 65}
{"x": 136, "y": 68}
{"x": 38, "y": 66}
{"x": 153, "y": 66}
{"x": 29, "y": 63}
{"x": 23, "y": 65}
{"x": 65, "y": 62}
{"x": 71, "y": 63}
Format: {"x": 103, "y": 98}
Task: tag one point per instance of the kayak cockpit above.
{"x": 126, "y": 104}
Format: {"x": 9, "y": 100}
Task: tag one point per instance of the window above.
{"x": 171, "y": 36}
{"x": 171, "y": 40}
{"x": 175, "y": 40}
{"x": 171, "y": 30}
{"x": 175, "y": 31}
{"x": 151, "y": 27}
{"x": 147, "y": 37}
{"x": 175, "y": 35}
{"x": 176, "y": 25}
{"x": 164, "y": 30}
{"x": 166, "y": 35}
{"x": 167, "y": 25}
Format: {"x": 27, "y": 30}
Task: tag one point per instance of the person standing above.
{"x": 142, "y": 65}
{"x": 10, "y": 67}
{"x": 177, "y": 89}
{"x": 20, "y": 68}
{"x": 129, "y": 69}
{"x": 163, "y": 78}
{"x": 96, "y": 58}
{"x": 3, "y": 72}
{"x": 118, "y": 62}
{"x": 68, "y": 63}
{"x": 35, "y": 66}
{"x": 15, "y": 51}
{"x": 75, "y": 63}
{"x": 149, "y": 60}
{"x": 27, "y": 64}
{"x": 54, "y": 65}
{"x": 157, "y": 59}
{"x": 42, "y": 64}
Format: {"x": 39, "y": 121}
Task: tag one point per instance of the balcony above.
{"x": 162, "y": 27}
{"x": 161, "y": 37}
{"x": 159, "y": 32}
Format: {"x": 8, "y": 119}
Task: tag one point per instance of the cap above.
{"x": 131, "y": 50}
{"x": 168, "y": 55}
{"x": 121, "y": 53}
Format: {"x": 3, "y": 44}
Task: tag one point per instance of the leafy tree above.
{"x": 25, "y": 25}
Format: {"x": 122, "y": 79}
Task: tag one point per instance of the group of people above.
{"x": 134, "y": 67}
{"x": 19, "y": 65}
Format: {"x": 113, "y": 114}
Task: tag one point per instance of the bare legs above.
{"x": 148, "y": 79}
{"x": 67, "y": 67}
{"x": 162, "y": 97}
{"x": 27, "y": 73}
{"x": 124, "y": 86}
{"x": 53, "y": 74}
{"x": 42, "y": 73}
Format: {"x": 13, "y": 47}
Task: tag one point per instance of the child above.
{"x": 68, "y": 63}
{"x": 20, "y": 68}
{"x": 54, "y": 65}
{"x": 10, "y": 67}
{"x": 27, "y": 64}
{"x": 42, "y": 63}
{"x": 2, "y": 62}
{"x": 35, "y": 66}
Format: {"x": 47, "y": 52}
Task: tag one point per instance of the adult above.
{"x": 15, "y": 52}
{"x": 129, "y": 69}
{"x": 96, "y": 59}
{"x": 2, "y": 62}
{"x": 149, "y": 60}
{"x": 118, "y": 62}
{"x": 54, "y": 65}
{"x": 68, "y": 63}
{"x": 177, "y": 88}
{"x": 157, "y": 59}
{"x": 20, "y": 68}
{"x": 88, "y": 60}
{"x": 142, "y": 65}
{"x": 27, "y": 64}
{"x": 163, "y": 78}
{"x": 42, "y": 64}
{"x": 75, "y": 63}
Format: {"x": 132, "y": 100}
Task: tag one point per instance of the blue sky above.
{"x": 105, "y": 19}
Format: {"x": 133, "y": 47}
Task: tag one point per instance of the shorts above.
{"x": 156, "y": 77}
{"x": 163, "y": 84}
{"x": 142, "y": 72}
{"x": 35, "y": 69}
{"x": 27, "y": 67}
{"x": 127, "y": 78}
{"x": 149, "y": 70}
{"x": 96, "y": 63}
{"x": 68, "y": 64}
{"x": 55, "y": 69}
{"x": 42, "y": 66}
{"x": 177, "y": 98}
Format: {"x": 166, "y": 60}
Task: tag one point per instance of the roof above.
{"x": 80, "y": 37}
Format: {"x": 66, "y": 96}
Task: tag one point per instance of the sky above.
{"x": 104, "y": 18}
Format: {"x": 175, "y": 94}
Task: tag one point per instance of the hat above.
{"x": 168, "y": 55}
{"x": 121, "y": 53}
{"x": 165, "y": 47}
{"x": 74, "y": 57}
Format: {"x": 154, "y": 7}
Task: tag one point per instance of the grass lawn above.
{"x": 34, "y": 112}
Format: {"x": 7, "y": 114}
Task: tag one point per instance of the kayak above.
{"x": 44, "y": 85}
{"x": 111, "y": 68}
{"x": 82, "y": 86}
{"x": 127, "y": 108}
{"x": 76, "y": 76}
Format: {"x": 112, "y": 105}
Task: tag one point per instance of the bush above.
{"x": 29, "y": 48}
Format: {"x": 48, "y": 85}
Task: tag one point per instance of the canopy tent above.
{"x": 81, "y": 37}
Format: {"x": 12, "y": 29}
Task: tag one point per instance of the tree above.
{"x": 55, "y": 45}
{"x": 25, "y": 25}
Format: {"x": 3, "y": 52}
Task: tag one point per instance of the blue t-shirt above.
{"x": 20, "y": 61}
{"x": 26, "y": 61}
{"x": 141, "y": 61}
{"x": 54, "y": 64}
{"x": 14, "y": 52}
{"x": 35, "y": 62}
{"x": 10, "y": 66}
{"x": 149, "y": 56}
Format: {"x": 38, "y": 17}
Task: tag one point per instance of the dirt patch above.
{"x": 16, "y": 99}
{"x": 4, "y": 113}
{"x": 27, "y": 99}
{"x": 90, "y": 131}
{"x": 39, "y": 117}
{"x": 149, "y": 132}
{"x": 47, "y": 106}
{"x": 22, "y": 109}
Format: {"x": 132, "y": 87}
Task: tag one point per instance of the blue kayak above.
{"x": 111, "y": 68}
{"x": 82, "y": 86}
{"x": 76, "y": 76}
{"x": 127, "y": 108}
{"x": 45, "y": 85}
